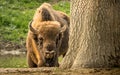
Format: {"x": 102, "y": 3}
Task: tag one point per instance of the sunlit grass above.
{"x": 13, "y": 61}
{"x": 63, "y": 6}
{"x": 9, "y": 61}
{"x": 15, "y": 16}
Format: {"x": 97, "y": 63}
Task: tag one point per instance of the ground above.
{"x": 16, "y": 65}
{"x": 58, "y": 71}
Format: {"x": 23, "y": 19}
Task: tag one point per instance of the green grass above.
{"x": 13, "y": 61}
{"x": 62, "y": 6}
{"x": 10, "y": 61}
{"x": 16, "y": 14}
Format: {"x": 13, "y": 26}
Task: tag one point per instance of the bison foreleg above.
{"x": 38, "y": 55}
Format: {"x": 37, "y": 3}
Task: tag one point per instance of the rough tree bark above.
{"x": 94, "y": 34}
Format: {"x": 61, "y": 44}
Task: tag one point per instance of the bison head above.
{"x": 48, "y": 36}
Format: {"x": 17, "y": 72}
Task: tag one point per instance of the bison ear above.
{"x": 63, "y": 28}
{"x": 31, "y": 28}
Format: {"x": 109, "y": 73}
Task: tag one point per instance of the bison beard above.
{"x": 50, "y": 62}
{"x": 47, "y": 30}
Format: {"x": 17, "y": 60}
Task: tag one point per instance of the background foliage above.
{"x": 16, "y": 14}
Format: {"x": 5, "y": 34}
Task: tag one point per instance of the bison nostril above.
{"x": 50, "y": 52}
{"x": 47, "y": 52}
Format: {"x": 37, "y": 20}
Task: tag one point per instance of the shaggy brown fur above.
{"x": 48, "y": 30}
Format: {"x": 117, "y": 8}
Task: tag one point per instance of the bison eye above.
{"x": 58, "y": 39}
{"x": 35, "y": 37}
{"x": 40, "y": 40}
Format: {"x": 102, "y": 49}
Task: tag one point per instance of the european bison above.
{"x": 48, "y": 37}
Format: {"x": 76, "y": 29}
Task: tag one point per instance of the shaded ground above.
{"x": 9, "y": 46}
{"x": 57, "y": 71}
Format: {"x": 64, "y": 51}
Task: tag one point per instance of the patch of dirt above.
{"x": 10, "y": 47}
{"x": 58, "y": 71}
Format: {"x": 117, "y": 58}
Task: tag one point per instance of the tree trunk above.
{"x": 94, "y": 34}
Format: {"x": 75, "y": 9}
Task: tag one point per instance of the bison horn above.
{"x": 63, "y": 28}
{"x": 31, "y": 28}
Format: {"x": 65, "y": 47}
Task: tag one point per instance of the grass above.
{"x": 13, "y": 61}
{"x": 14, "y": 18}
{"x": 10, "y": 61}
{"x": 16, "y": 14}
